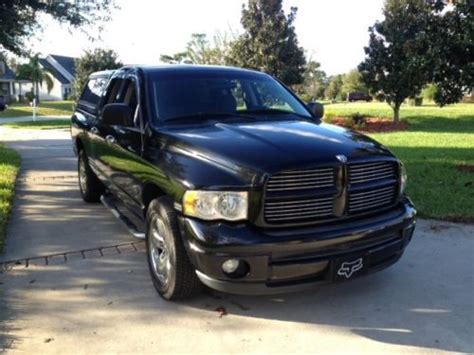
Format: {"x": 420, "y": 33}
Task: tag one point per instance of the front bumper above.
{"x": 295, "y": 259}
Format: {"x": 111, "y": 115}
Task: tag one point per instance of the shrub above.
{"x": 29, "y": 96}
{"x": 415, "y": 101}
{"x": 429, "y": 92}
{"x": 358, "y": 119}
{"x": 328, "y": 117}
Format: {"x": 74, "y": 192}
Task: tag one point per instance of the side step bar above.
{"x": 127, "y": 223}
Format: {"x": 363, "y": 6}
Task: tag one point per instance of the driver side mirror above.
{"x": 316, "y": 109}
{"x": 117, "y": 115}
{"x": 3, "y": 107}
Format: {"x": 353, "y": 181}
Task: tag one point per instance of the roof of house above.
{"x": 8, "y": 74}
{"x": 53, "y": 71}
{"x": 67, "y": 63}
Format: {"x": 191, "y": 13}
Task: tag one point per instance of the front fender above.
{"x": 178, "y": 171}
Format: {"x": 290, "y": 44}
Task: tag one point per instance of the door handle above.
{"x": 94, "y": 130}
{"x": 110, "y": 139}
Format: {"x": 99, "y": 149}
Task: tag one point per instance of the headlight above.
{"x": 211, "y": 205}
{"x": 403, "y": 179}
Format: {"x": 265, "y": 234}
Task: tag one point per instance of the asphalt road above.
{"x": 103, "y": 301}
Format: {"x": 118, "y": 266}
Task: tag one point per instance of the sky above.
{"x": 333, "y": 32}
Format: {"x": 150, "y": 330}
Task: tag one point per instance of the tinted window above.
{"x": 114, "y": 91}
{"x": 94, "y": 90}
{"x": 130, "y": 98}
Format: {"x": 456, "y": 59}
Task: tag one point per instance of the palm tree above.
{"x": 37, "y": 74}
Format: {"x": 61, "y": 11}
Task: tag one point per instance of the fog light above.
{"x": 230, "y": 266}
{"x": 235, "y": 268}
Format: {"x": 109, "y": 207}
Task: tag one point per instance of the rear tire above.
{"x": 90, "y": 186}
{"x": 172, "y": 273}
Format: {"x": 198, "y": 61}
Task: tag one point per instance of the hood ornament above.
{"x": 342, "y": 158}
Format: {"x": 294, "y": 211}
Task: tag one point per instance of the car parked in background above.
{"x": 358, "y": 96}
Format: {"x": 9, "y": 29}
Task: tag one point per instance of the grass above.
{"x": 46, "y": 124}
{"x": 9, "y": 166}
{"x": 46, "y": 108}
{"x": 438, "y": 140}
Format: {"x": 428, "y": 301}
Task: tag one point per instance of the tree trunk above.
{"x": 37, "y": 93}
{"x": 396, "y": 113}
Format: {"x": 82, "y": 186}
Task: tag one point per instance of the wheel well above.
{"x": 149, "y": 193}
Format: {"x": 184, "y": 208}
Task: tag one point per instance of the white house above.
{"x": 61, "y": 69}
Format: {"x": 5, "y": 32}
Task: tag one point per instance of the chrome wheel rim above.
{"x": 159, "y": 252}
{"x": 82, "y": 175}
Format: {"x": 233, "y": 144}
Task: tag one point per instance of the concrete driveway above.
{"x": 102, "y": 300}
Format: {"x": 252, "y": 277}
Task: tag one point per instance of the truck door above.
{"x": 122, "y": 157}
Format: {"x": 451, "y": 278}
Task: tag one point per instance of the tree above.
{"x": 37, "y": 74}
{"x": 200, "y": 50}
{"x": 19, "y": 18}
{"x": 452, "y": 50}
{"x": 269, "y": 42}
{"x": 429, "y": 92}
{"x": 315, "y": 80}
{"x": 352, "y": 81}
{"x": 333, "y": 90}
{"x": 396, "y": 66}
{"x": 92, "y": 61}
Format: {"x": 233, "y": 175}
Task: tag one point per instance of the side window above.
{"x": 113, "y": 91}
{"x": 93, "y": 91}
{"x": 129, "y": 97}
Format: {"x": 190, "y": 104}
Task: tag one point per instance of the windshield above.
{"x": 202, "y": 95}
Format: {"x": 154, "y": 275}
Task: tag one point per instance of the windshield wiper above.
{"x": 208, "y": 115}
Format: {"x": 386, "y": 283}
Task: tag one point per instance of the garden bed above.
{"x": 371, "y": 124}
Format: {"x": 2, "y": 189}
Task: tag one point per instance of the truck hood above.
{"x": 275, "y": 145}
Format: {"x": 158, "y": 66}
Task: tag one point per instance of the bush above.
{"x": 328, "y": 117}
{"x": 29, "y": 96}
{"x": 358, "y": 119}
{"x": 429, "y": 92}
{"x": 415, "y": 101}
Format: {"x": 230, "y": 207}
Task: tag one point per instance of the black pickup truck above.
{"x": 235, "y": 183}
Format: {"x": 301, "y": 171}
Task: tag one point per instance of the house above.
{"x": 63, "y": 71}
{"x": 7, "y": 83}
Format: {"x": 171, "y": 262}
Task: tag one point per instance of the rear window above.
{"x": 94, "y": 90}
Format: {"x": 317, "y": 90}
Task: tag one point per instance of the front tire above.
{"x": 172, "y": 273}
{"x": 89, "y": 185}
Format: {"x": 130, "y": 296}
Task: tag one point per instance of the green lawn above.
{"x": 9, "y": 165}
{"x": 46, "y": 124}
{"x": 438, "y": 140}
{"x": 46, "y": 108}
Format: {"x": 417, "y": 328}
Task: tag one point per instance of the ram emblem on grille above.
{"x": 342, "y": 158}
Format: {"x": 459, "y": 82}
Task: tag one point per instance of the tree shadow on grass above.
{"x": 462, "y": 124}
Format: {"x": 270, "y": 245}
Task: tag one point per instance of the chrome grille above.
{"x": 372, "y": 199}
{"x": 368, "y": 172}
{"x": 297, "y": 210}
{"x": 312, "y": 195}
{"x": 301, "y": 179}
